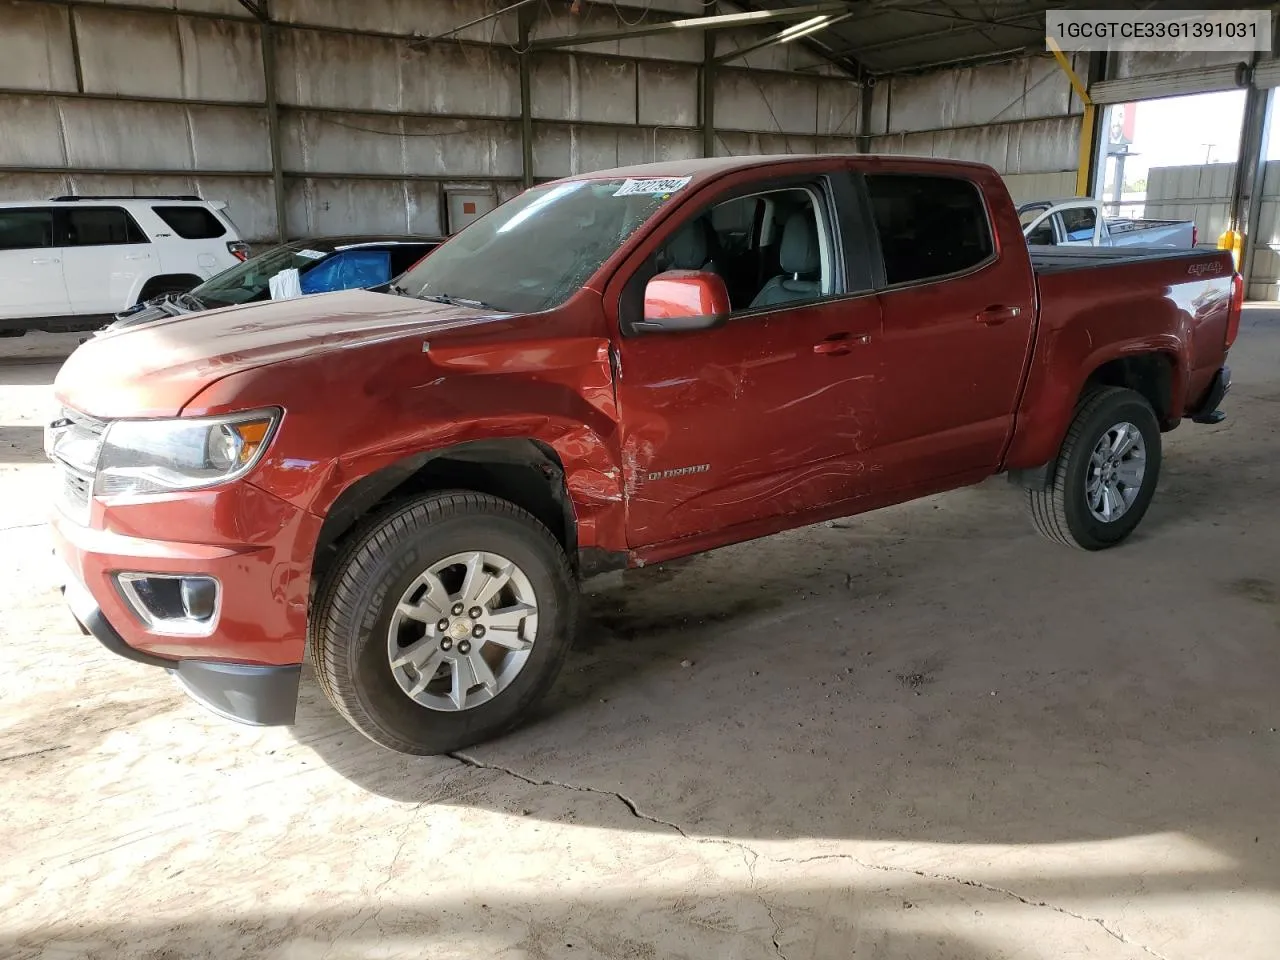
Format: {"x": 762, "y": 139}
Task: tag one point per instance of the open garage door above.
{"x": 1266, "y": 75}
{"x": 1173, "y": 84}
{"x": 1172, "y": 156}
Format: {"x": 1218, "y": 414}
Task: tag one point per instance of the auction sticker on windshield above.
{"x": 654, "y": 187}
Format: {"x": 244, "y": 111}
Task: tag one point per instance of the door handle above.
{"x": 137, "y": 256}
{"x": 994, "y": 316}
{"x": 839, "y": 344}
{"x": 46, "y": 260}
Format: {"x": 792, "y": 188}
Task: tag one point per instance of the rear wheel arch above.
{"x": 1154, "y": 375}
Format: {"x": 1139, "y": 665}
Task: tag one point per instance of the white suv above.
{"x": 72, "y": 262}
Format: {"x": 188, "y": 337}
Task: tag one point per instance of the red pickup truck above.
{"x": 612, "y": 370}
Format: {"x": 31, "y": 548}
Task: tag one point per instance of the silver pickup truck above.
{"x": 1080, "y": 222}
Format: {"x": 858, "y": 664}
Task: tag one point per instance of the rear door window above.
{"x": 1042, "y": 235}
{"x": 190, "y": 222}
{"x": 929, "y": 227}
{"x": 1078, "y": 223}
{"x": 26, "y": 229}
{"x": 101, "y": 227}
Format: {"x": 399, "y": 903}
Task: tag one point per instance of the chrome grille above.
{"x": 75, "y": 490}
{"x": 73, "y": 442}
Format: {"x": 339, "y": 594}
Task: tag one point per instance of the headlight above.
{"x": 156, "y": 456}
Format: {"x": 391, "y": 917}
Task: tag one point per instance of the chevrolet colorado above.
{"x": 616, "y": 369}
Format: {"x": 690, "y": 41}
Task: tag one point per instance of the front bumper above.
{"x": 249, "y": 693}
{"x": 247, "y": 667}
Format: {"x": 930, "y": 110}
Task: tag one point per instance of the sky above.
{"x": 1188, "y": 130}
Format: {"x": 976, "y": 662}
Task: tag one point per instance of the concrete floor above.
{"x": 924, "y": 734}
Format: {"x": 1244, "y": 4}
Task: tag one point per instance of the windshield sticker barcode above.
{"x": 632, "y": 188}
{"x": 312, "y": 254}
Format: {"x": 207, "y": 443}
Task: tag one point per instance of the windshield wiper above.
{"x": 458, "y": 301}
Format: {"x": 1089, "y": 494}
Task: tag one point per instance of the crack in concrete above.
{"x": 979, "y": 885}
{"x": 33, "y": 753}
{"x": 23, "y": 526}
{"x": 751, "y": 856}
{"x": 400, "y": 845}
{"x": 768, "y": 907}
{"x": 622, "y": 798}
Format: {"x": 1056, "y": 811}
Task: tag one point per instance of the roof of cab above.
{"x": 709, "y": 167}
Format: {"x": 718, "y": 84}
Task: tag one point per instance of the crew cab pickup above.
{"x": 612, "y": 370}
{"x": 1080, "y": 222}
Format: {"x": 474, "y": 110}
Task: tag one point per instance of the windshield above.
{"x": 248, "y": 280}
{"x": 1030, "y": 211}
{"x": 533, "y": 252}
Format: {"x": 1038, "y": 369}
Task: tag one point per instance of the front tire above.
{"x": 443, "y": 621}
{"x": 1105, "y": 475}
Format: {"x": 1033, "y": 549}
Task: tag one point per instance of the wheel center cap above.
{"x": 460, "y": 629}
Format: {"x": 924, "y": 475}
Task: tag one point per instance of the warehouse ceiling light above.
{"x": 794, "y": 32}
{"x": 803, "y": 29}
{"x": 809, "y": 13}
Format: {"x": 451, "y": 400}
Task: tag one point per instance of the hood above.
{"x": 156, "y": 368}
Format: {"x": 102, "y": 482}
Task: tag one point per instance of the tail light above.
{"x": 1235, "y": 309}
{"x": 239, "y": 249}
{"x": 1195, "y": 235}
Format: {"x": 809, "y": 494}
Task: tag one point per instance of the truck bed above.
{"x": 1047, "y": 260}
{"x": 1119, "y": 225}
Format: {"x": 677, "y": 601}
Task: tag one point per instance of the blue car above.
{"x": 322, "y": 265}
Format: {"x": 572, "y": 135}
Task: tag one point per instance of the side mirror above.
{"x": 684, "y": 300}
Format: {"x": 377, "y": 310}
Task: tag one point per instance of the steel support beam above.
{"x": 866, "y": 108}
{"x": 1088, "y": 125}
{"x": 75, "y": 49}
{"x": 251, "y": 174}
{"x": 527, "y": 15}
{"x": 421, "y": 42}
{"x": 717, "y": 22}
{"x": 707, "y": 93}
{"x": 1253, "y": 209}
{"x": 267, "y": 43}
{"x": 1251, "y": 170}
{"x": 1090, "y": 157}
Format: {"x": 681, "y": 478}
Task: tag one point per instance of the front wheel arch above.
{"x": 525, "y": 472}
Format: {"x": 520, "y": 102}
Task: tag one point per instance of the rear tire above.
{"x": 1094, "y": 478}
{"x": 359, "y": 618}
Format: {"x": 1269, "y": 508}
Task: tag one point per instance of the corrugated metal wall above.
{"x": 97, "y": 97}
{"x": 1200, "y": 192}
{"x": 1021, "y": 117}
